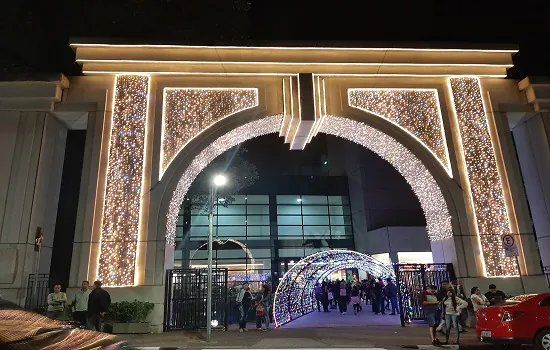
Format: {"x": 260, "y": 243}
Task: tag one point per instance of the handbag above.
{"x": 260, "y": 310}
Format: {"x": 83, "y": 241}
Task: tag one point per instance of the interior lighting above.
{"x": 486, "y": 189}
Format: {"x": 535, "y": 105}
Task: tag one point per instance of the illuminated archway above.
{"x": 295, "y": 294}
{"x": 417, "y": 175}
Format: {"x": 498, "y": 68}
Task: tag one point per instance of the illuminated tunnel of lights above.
{"x": 295, "y": 294}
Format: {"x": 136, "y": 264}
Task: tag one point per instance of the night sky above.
{"x": 34, "y": 35}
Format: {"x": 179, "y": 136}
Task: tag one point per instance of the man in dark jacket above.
{"x": 98, "y": 305}
{"x": 391, "y": 293}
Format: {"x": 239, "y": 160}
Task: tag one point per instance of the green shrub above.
{"x": 129, "y": 311}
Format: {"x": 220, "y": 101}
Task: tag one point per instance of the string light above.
{"x": 485, "y": 184}
{"x": 416, "y": 111}
{"x": 189, "y": 111}
{"x": 295, "y": 297}
{"x": 236, "y": 136}
{"x": 120, "y": 225}
{"x": 438, "y": 220}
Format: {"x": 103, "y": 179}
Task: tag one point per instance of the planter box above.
{"x": 131, "y": 328}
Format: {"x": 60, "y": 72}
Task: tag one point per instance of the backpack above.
{"x": 343, "y": 292}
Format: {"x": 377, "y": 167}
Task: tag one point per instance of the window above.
{"x": 322, "y": 217}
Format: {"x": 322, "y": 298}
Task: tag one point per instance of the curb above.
{"x": 454, "y": 347}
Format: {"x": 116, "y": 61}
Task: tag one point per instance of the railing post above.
{"x": 399, "y": 295}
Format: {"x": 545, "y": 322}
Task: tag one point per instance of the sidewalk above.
{"x": 307, "y": 338}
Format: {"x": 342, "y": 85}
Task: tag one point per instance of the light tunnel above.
{"x": 295, "y": 297}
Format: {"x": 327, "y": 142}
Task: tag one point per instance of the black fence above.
{"x": 44, "y": 285}
{"x": 185, "y": 299}
{"x": 412, "y": 280}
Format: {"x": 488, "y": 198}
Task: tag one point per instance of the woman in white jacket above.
{"x": 453, "y": 307}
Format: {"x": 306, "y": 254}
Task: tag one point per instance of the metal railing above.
{"x": 185, "y": 299}
{"x": 412, "y": 280}
{"x": 39, "y": 301}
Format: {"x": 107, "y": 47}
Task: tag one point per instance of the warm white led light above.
{"x": 438, "y": 220}
{"x": 291, "y": 48}
{"x": 416, "y": 111}
{"x": 486, "y": 189}
{"x": 189, "y": 111}
{"x": 236, "y": 136}
{"x": 123, "y": 187}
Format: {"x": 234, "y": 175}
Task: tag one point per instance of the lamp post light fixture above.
{"x": 218, "y": 181}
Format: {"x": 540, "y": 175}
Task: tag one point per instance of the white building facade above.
{"x": 473, "y": 146}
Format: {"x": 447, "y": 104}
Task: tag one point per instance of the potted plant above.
{"x": 130, "y": 317}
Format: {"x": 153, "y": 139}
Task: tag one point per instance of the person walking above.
{"x": 453, "y": 307}
{"x": 99, "y": 302}
{"x": 56, "y": 303}
{"x": 79, "y": 303}
{"x": 244, "y": 300}
{"x": 390, "y": 290}
{"x": 325, "y": 296}
{"x": 429, "y": 302}
{"x": 318, "y": 296}
{"x": 343, "y": 298}
{"x": 335, "y": 293}
{"x": 356, "y": 299}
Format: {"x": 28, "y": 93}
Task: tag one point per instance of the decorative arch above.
{"x": 295, "y": 294}
{"x": 430, "y": 196}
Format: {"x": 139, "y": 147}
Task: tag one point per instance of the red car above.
{"x": 524, "y": 319}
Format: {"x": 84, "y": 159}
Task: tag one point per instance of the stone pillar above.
{"x": 33, "y": 146}
{"x": 532, "y": 140}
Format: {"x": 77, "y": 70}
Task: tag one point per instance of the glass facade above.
{"x": 258, "y": 237}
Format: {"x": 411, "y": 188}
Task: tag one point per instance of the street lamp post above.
{"x": 219, "y": 180}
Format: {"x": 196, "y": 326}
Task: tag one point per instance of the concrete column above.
{"x": 532, "y": 140}
{"x": 33, "y": 147}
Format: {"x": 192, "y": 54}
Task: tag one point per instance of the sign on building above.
{"x": 509, "y": 245}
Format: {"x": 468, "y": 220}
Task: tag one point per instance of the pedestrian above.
{"x": 80, "y": 303}
{"x": 379, "y": 297}
{"x": 390, "y": 290}
{"x": 495, "y": 296}
{"x": 318, "y": 296}
{"x": 263, "y": 308}
{"x": 453, "y": 307}
{"x": 355, "y": 299}
{"x": 429, "y": 302}
{"x": 343, "y": 298}
{"x": 56, "y": 303}
{"x": 330, "y": 296}
{"x": 325, "y": 295}
{"x": 479, "y": 301}
{"x": 99, "y": 302}
{"x": 244, "y": 301}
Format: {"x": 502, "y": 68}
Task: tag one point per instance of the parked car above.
{"x": 22, "y": 329}
{"x": 524, "y": 319}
